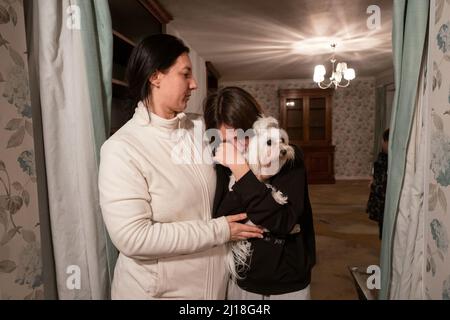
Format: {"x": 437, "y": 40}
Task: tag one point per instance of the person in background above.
{"x": 157, "y": 211}
{"x": 375, "y": 204}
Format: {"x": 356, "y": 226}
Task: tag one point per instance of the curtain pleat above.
{"x": 74, "y": 57}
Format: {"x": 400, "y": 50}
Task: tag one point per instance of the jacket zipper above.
{"x": 205, "y": 202}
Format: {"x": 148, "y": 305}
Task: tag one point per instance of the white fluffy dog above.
{"x": 267, "y": 152}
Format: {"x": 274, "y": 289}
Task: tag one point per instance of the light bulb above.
{"x": 341, "y": 67}
{"x": 318, "y": 77}
{"x": 320, "y": 70}
{"x": 349, "y": 74}
{"x": 338, "y": 77}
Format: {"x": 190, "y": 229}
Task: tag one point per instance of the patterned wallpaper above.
{"x": 20, "y": 253}
{"x": 353, "y": 119}
{"x": 437, "y": 226}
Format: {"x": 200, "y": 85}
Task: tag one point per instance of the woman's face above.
{"x": 174, "y": 87}
{"x": 229, "y": 134}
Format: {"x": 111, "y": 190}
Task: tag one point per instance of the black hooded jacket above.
{"x": 280, "y": 263}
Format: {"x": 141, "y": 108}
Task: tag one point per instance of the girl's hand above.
{"x": 229, "y": 156}
{"x": 240, "y": 231}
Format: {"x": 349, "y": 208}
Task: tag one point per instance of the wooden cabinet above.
{"x": 306, "y": 116}
{"x": 132, "y": 20}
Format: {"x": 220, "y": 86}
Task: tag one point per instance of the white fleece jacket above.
{"x": 158, "y": 213}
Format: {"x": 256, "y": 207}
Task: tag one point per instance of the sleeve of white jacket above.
{"x": 125, "y": 204}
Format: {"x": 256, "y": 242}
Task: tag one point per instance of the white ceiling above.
{"x": 283, "y": 39}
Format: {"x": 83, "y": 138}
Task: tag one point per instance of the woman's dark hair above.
{"x": 386, "y": 135}
{"x": 155, "y": 53}
{"x": 233, "y": 107}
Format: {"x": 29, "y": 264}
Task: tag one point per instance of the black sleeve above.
{"x": 261, "y": 207}
{"x": 225, "y": 202}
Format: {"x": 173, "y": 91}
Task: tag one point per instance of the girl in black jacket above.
{"x": 280, "y": 264}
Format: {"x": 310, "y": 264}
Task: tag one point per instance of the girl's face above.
{"x": 229, "y": 134}
{"x": 173, "y": 88}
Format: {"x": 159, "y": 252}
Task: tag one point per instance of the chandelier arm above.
{"x": 326, "y": 85}
{"x": 344, "y": 85}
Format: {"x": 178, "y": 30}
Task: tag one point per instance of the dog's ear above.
{"x": 265, "y": 123}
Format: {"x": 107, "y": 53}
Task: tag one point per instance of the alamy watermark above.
{"x": 73, "y": 281}
{"x": 374, "y": 280}
{"x": 262, "y": 148}
{"x": 374, "y": 20}
{"x": 73, "y": 21}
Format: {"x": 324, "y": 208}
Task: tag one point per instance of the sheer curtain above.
{"x": 408, "y": 238}
{"x": 71, "y": 46}
{"x": 409, "y": 34}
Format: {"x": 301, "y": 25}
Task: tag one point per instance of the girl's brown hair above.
{"x": 231, "y": 106}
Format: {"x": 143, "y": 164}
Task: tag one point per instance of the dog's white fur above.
{"x": 265, "y": 160}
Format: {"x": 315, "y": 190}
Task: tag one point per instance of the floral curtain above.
{"x": 437, "y": 223}
{"x": 20, "y": 241}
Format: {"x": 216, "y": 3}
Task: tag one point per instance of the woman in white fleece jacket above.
{"x": 156, "y": 209}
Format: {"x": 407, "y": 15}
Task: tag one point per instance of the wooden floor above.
{"x": 344, "y": 237}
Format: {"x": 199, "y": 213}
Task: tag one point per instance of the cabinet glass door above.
{"x": 294, "y": 118}
{"x": 317, "y": 118}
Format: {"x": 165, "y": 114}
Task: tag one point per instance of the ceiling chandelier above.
{"x": 336, "y": 77}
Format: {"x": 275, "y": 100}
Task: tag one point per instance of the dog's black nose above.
{"x": 283, "y": 152}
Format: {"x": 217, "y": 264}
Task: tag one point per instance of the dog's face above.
{"x": 268, "y": 149}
